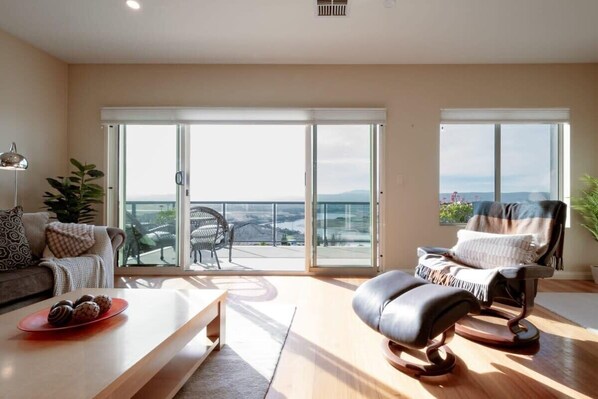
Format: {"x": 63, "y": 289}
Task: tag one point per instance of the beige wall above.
{"x": 413, "y": 96}
{"x": 33, "y": 113}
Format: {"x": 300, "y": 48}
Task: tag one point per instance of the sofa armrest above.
{"x": 421, "y": 251}
{"x": 525, "y": 272}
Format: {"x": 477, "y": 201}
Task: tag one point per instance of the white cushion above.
{"x": 488, "y": 251}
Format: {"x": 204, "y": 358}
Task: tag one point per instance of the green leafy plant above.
{"x": 456, "y": 211}
{"x": 587, "y": 205}
{"x": 76, "y": 194}
{"x": 167, "y": 216}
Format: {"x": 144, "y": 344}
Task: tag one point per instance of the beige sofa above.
{"x": 34, "y": 283}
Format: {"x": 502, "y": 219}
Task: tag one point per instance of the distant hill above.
{"x": 505, "y": 197}
{"x": 364, "y": 196}
{"x": 349, "y": 196}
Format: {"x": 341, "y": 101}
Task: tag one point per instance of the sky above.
{"x": 245, "y": 163}
{"x": 467, "y": 158}
{"x": 267, "y": 162}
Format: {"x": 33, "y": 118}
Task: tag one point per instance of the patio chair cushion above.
{"x": 161, "y": 237}
{"x": 206, "y": 233}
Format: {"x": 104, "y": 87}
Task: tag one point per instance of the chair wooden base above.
{"x": 437, "y": 364}
{"x": 517, "y": 332}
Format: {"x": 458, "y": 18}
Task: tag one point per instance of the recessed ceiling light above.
{"x": 133, "y": 4}
{"x": 390, "y": 3}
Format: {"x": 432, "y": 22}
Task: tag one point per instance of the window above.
{"x": 496, "y": 162}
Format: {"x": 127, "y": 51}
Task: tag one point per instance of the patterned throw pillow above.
{"x": 14, "y": 248}
{"x": 488, "y": 251}
{"x": 69, "y": 239}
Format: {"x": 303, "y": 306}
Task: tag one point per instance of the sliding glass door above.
{"x": 253, "y": 177}
{"x": 148, "y": 194}
{"x": 247, "y": 197}
{"x": 344, "y": 190}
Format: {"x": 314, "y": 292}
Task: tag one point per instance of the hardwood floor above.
{"x": 330, "y": 353}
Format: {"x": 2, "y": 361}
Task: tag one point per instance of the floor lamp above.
{"x": 12, "y": 160}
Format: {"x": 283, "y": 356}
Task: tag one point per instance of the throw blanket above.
{"x": 69, "y": 239}
{"x": 91, "y": 270}
{"x": 522, "y": 218}
{"x": 442, "y": 270}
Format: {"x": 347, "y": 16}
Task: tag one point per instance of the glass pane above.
{"x": 528, "y": 167}
{"x": 149, "y": 191}
{"x": 466, "y": 170}
{"x": 253, "y": 175}
{"x": 342, "y": 185}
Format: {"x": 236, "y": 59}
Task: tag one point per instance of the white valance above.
{"x": 505, "y": 115}
{"x": 254, "y": 116}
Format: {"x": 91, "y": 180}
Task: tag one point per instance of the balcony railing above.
{"x": 274, "y": 222}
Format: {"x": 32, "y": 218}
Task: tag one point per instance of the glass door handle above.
{"x": 179, "y": 177}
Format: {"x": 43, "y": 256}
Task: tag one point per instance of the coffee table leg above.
{"x": 216, "y": 328}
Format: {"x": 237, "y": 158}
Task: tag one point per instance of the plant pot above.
{"x": 594, "y": 272}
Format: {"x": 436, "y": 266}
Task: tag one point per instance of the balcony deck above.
{"x": 266, "y": 258}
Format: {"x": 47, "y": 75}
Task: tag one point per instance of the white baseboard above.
{"x": 565, "y": 275}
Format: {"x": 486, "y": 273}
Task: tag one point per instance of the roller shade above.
{"x": 505, "y": 115}
{"x": 255, "y": 116}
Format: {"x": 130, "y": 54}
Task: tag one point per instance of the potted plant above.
{"x": 76, "y": 194}
{"x": 587, "y": 206}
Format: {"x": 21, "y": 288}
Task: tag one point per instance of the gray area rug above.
{"x": 244, "y": 368}
{"x": 580, "y": 308}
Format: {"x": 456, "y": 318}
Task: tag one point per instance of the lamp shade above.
{"x": 13, "y": 160}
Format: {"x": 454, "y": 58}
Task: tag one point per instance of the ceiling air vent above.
{"x": 332, "y": 8}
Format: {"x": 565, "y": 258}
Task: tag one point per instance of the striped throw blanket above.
{"x": 544, "y": 219}
{"x": 443, "y": 270}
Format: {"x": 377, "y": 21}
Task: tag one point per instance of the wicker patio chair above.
{"x": 141, "y": 238}
{"x": 210, "y": 231}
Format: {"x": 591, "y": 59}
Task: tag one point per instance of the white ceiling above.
{"x": 287, "y": 31}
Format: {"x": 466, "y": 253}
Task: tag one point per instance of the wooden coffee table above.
{"x": 147, "y": 351}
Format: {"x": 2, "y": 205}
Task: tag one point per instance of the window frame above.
{"x": 557, "y": 155}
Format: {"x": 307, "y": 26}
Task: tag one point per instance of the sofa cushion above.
{"x": 14, "y": 247}
{"x": 35, "y": 231}
{"x": 22, "y": 283}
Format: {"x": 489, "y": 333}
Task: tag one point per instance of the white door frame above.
{"x": 376, "y": 205}
{"x": 115, "y": 177}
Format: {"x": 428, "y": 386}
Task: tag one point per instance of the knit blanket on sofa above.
{"x": 93, "y": 269}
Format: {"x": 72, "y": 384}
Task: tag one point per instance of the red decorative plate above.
{"x": 38, "y": 321}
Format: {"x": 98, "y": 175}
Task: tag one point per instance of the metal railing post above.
{"x": 274, "y": 224}
{"x": 325, "y": 223}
